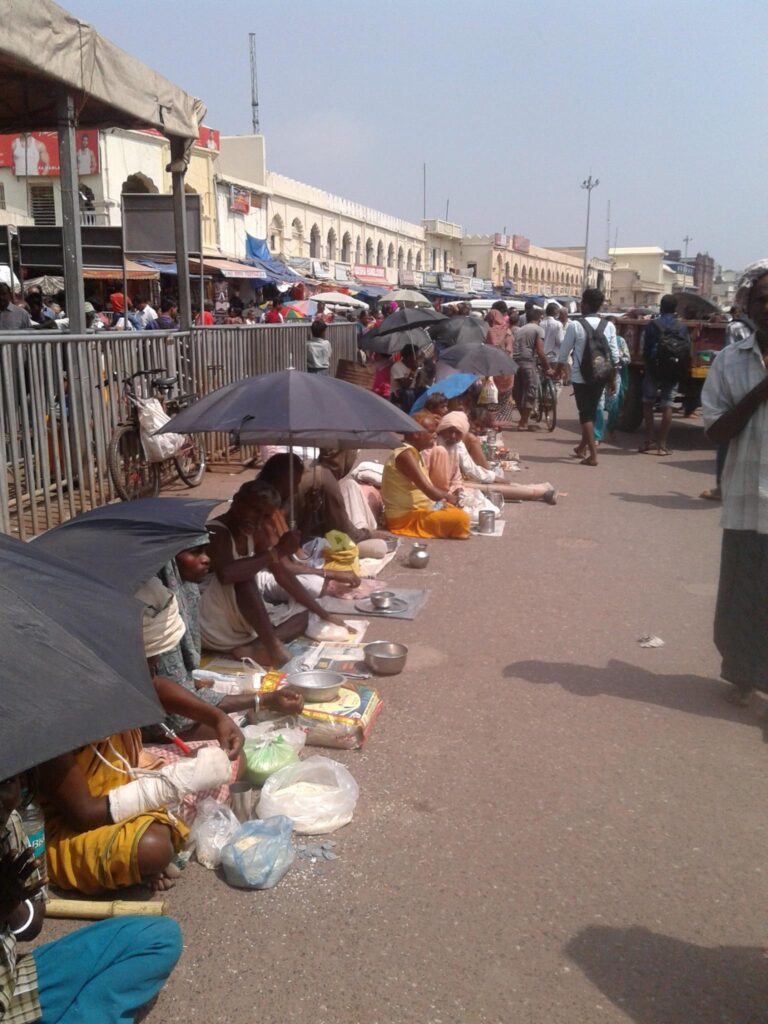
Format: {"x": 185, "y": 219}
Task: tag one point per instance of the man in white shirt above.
{"x": 587, "y": 392}
{"x": 734, "y": 407}
{"x": 145, "y": 314}
{"x": 554, "y": 332}
{"x": 86, "y": 159}
{"x": 30, "y": 156}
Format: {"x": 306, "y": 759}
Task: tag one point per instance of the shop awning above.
{"x": 135, "y": 272}
{"x": 166, "y": 268}
{"x": 378, "y": 281}
{"x": 231, "y": 268}
{"x": 374, "y": 290}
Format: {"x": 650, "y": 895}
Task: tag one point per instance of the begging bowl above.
{"x": 381, "y": 598}
{"x": 316, "y": 686}
{"x": 385, "y": 658}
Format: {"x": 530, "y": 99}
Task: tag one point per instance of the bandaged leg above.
{"x": 167, "y": 786}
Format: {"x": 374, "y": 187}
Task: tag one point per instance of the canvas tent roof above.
{"x": 42, "y": 46}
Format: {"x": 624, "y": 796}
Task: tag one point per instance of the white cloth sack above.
{"x": 152, "y": 416}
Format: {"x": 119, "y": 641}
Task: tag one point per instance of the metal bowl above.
{"x": 385, "y": 658}
{"x": 382, "y": 598}
{"x": 316, "y": 686}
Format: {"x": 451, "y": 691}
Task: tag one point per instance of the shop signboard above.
{"x": 371, "y": 274}
{"x": 501, "y": 241}
{"x": 239, "y": 199}
{"x": 447, "y": 282}
{"x": 411, "y": 278}
{"x": 36, "y": 154}
{"x": 521, "y": 244}
{"x": 321, "y": 270}
{"x": 301, "y": 264}
{"x": 462, "y": 283}
{"x": 342, "y": 273}
{"x": 477, "y": 284}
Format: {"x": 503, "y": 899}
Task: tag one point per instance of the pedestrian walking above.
{"x": 529, "y": 355}
{"x": 592, "y": 341}
{"x": 667, "y": 357}
{"x": 735, "y": 411}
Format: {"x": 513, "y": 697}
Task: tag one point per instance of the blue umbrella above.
{"x": 451, "y": 386}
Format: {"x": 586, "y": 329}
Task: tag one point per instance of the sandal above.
{"x": 589, "y": 461}
{"x": 712, "y": 494}
{"x": 664, "y": 451}
{"x": 647, "y": 446}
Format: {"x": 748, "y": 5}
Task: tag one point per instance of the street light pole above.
{"x": 686, "y": 240}
{"x": 588, "y": 184}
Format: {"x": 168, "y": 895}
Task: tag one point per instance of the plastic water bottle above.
{"x": 33, "y": 820}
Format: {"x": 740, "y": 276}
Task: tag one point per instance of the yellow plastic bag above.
{"x": 341, "y": 553}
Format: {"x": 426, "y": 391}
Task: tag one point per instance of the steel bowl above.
{"x": 385, "y": 658}
{"x": 316, "y": 685}
{"x": 381, "y": 598}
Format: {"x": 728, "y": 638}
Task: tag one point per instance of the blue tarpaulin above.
{"x": 257, "y": 253}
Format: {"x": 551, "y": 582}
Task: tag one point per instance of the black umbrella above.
{"x": 459, "y": 330}
{"x": 126, "y": 543}
{"x": 74, "y": 668}
{"x": 279, "y": 407}
{"x": 485, "y": 360}
{"x": 388, "y": 344}
{"x": 405, "y": 319}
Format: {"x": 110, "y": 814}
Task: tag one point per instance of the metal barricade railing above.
{"x": 61, "y": 397}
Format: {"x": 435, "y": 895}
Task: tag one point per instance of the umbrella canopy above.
{"x": 372, "y": 341}
{"x": 405, "y": 319}
{"x": 459, "y": 330}
{"x": 484, "y": 360}
{"x": 695, "y": 307}
{"x": 328, "y": 439}
{"x": 407, "y": 296}
{"x": 339, "y": 299}
{"x": 299, "y": 310}
{"x": 74, "y": 668}
{"x": 290, "y": 402}
{"x": 451, "y": 386}
{"x": 126, "y": 543}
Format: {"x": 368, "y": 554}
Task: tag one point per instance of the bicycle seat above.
{"x": 165, "y": 383}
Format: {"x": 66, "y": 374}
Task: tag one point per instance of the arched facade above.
{"x": 391, "y": 255}
{"x": 276, "y": 229}
{"x": 297, "y": 237}
{"x": 139, "y": 182}
{"x": 400, "y": 258}
{"x": 358, "y": 250}
{"x": 380, "y": 254}
{"x": 419, "y": 260}
{"x": 332, "y": 244}
{"x": 346, "y": 248}
{"x": 369, "y": 252}
{"x": 314, "y": 243}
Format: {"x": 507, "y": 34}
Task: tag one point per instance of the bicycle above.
{"x": 133, "y": 475}
{"x": 545, "y": 407}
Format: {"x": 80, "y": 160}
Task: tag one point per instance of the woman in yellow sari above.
{"x": 413, "y": 505}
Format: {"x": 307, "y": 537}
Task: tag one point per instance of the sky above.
{"x": 511, "y": 106}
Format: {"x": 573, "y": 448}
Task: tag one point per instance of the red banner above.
{"x": 36, "y": 154}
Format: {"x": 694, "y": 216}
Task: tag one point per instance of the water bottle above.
{"x": 33, "y": 820}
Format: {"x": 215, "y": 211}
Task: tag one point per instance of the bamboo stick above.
{"x": 95, "y": 910}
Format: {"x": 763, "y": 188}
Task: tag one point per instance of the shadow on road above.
{"x": 696, "y": 695}
{"x": 656, "y": 979}
{"x": 671, "y": 500}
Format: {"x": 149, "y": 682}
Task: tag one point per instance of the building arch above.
{"x": 391, "y": 255}
{"x": 358, "y": 250}
{"x": 418, "y": 259}
{"x": 297, "y": 237}
{"x": 332, "y": 243}
{"x": 314, "y": 242}
{"x": 276, "y": 229}
{"x": 400, "y": 258}
{"x": 409, "y": 260}
{"x": 523, "y": 277}
{"x": 139, "y": 182}
{"x": 346, "y": 248}
{"x": 380, "y": 254}
{"x": 369, "y": 253}
{"x": 506, "y": 269}
{"x": 515, "y": 273}
{"x": 499, "y": 266}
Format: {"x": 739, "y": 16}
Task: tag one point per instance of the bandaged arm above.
{"x": 167, "y": 787}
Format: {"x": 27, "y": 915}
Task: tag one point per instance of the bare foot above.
{"x": 712, "y": 494}
{"x": 166, "y": 880}
{"x": 589, "y": 461}
{"x": 579, "y": 452}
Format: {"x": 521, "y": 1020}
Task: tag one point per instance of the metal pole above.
{"x": 70, "y": 214}
{"x": 588, "y": 184}
{"x": 178, "y": 168}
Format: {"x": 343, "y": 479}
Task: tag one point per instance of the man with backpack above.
{"x": 592, "y": 340}
{"x": 667, "y": 356}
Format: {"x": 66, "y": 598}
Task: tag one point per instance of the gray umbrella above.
{"x": 458, "y": 330}
{"x": 124, "y": 544}
{"x": 485, "y": 360}
{"x": 74, "y": 669}
{"x": 405, "y": 319}
{"x": 388, "y": 344}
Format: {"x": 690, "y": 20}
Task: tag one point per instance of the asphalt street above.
{"x": 556, "y": 825}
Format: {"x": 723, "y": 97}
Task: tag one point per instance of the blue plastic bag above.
{"x": 259, "y": 853}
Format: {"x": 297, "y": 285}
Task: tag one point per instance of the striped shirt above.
{"x": 735, "y": 371}
{"x": 19, "y": 1000}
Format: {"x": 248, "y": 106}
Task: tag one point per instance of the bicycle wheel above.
{"x": 133, "y": 476}
{"x": 190, "y": 460}
{"x": 549, "y": 404}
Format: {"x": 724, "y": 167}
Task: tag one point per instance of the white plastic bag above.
{"x": 213, "y": 827}
{"x": 152, "y": 417}
{"x": 258, "y": 854}
{"x": 318, "y": 795}
{"x": 489, "y": 393}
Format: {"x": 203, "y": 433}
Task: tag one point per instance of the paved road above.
{"x": 556, "y": 826}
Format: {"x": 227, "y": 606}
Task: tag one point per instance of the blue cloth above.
{"x": 104, "y": 973}
{"x": 652, "y": 333}
{"x": 451, "y": 386}
{"x": 256, "y": 248}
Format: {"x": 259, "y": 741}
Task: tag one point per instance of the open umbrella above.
{"x": 451, "y": 386}
{"x": 407, "y": 296}
{"x": 126, "y": 543}
{"x": 484, "y": 360}
{"x": 339, "y": 299}
{"x": 388, "y": 344}
{"x": 459, "y": 330}
{"x": 74, "y": 668}
{"x": 405, "y": 319}
{"x": 279, "y": 407}
{"x": 303, "y": 310}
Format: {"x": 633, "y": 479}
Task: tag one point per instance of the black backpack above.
{"x": 596, "y": 364}
{"x": 669, "y": 362}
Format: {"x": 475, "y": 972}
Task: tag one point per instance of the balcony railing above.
{"x": 92, "y": 219}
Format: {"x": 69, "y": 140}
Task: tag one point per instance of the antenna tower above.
{"x": 254, "y": 87}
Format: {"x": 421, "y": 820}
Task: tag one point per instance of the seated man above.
{"x": 413, "y": 505}
{"x": 245, "y": 610}
{"x": 105, "y": 972}
{"x": 176, "y": 657}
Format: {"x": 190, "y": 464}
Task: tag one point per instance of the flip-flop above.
{"x": 647, "y": 447}
{"x": 664, "y": 451}
{"x": 588, "y": 462}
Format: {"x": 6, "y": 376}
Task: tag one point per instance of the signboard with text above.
{"x": 411, "y": 278}
{"x": 36, "y": 154}
{"x": 431, "y": 279}
{"x": 521, "y": 244}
